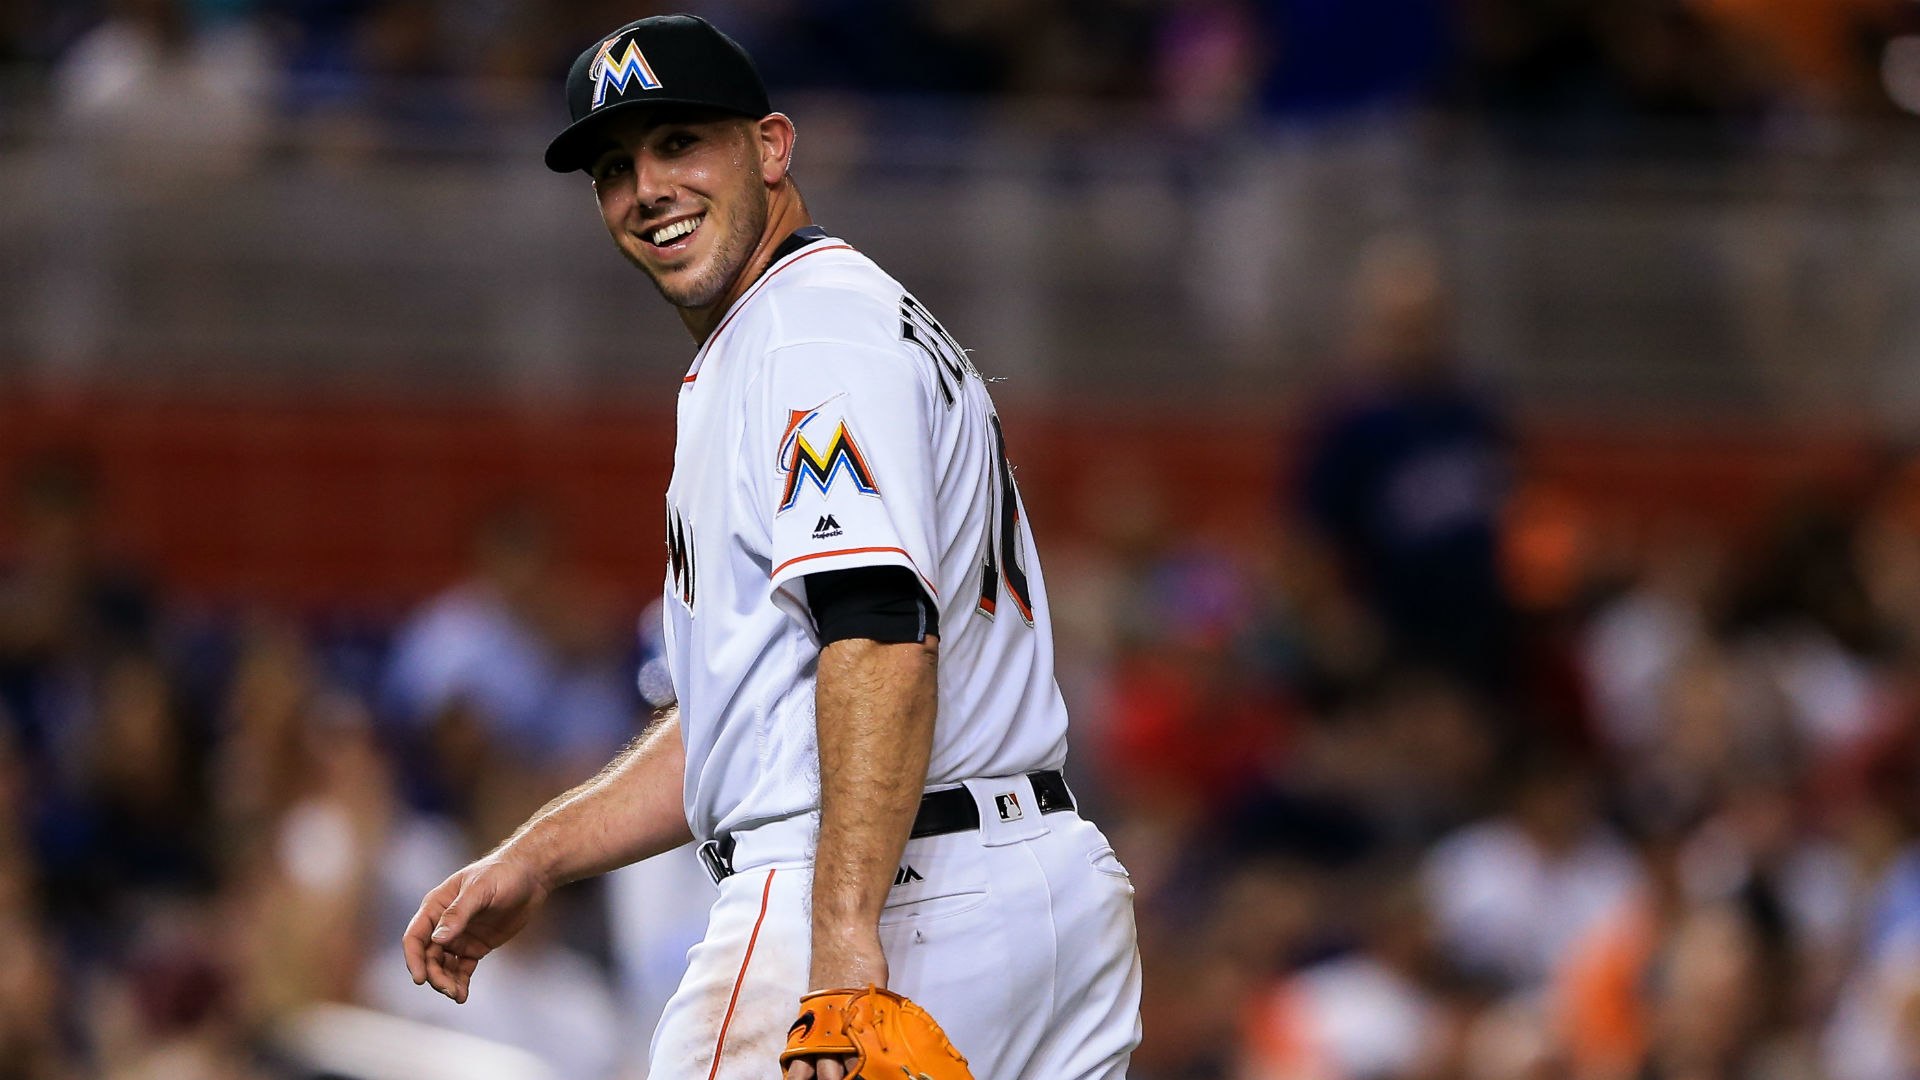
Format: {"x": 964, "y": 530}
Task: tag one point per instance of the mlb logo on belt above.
{"x": 630, "y": 68}
{"x": 1009, "y": 805}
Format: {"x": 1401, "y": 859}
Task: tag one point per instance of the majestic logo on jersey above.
{"x": 906, "y": 875}
{"x": 630, "y": 68}
{"x": 826, "y": 528}
{"x": 679, "y": 556}
{"x": 805, "y": 465}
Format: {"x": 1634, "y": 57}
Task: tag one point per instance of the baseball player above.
{"x": 869, "y": 738}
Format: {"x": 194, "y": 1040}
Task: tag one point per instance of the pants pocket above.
{"x": 936, "y": 881}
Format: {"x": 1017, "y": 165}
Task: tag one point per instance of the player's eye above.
{"x": 610, "y": 167}
{"x": 678, "y": 141}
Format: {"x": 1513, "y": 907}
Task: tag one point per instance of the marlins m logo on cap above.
{"x": 631, "y": 67}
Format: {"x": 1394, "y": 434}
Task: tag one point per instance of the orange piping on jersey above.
{"x": 751, "y": 293}
{"x": 742, "y": 977}
{"x": 854, "y": 551}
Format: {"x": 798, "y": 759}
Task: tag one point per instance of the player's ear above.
{"x": 776, "y": 136}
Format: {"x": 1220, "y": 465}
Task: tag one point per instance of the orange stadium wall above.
{"x": 319, "y": 503}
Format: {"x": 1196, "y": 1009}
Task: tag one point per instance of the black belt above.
{"x": 949, "y": 810}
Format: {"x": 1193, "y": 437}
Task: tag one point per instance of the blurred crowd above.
{"x": 1426, "y": 781}
{"x": 1408, "y": 791}
{"x": 212, "y": 819}
{"x": 1415, "y": 784}
{"x": 1561, "y": 74}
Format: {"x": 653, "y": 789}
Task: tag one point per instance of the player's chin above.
{"x": 688, "y": 286}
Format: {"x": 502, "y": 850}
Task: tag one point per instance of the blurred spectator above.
{"x": 1407, "y": 476}
{"x": 32, "y": 1039}
{"x": 1819, "y": 52}
{"x": 962, "y": 47}
{"x": 150, "y": 94}
{"x": 1334, "y": 58}
{"x": 1635, "y": 642}
{"x": 1208, "y": 59}
{"x": 1368, "y": 1013}
{"x": 1214, "y": 959}
{"x": 370, "y": 77}
{"x": 66, "y": 608}
{"x": 1193, "y": 725}
{"x": 1349, "y": 860}
{"x": 310, "y": 813}
{"x": 1873, "y": 1035}
{"x": 136, "y": 825}
{"x": 171, "y": 1010}
{"x": 1510, "y": 895}
{"x": 512, "y": 678}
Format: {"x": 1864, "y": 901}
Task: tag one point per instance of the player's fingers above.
{"x": 414, "y": 948}
{"x": 466, "y": 947}
{"x": 799, "y": 1070}
{"x": 419, "y": 933}
{"x": 436, "y": 968}
{"x": 414, "y": 942}
{"x": 454, "y": 919}
{"x": 463, "y": 978}
{"x": 829, "y": 1068}
{"x": 450, "y": 972}
{"x": 442, "y": 970}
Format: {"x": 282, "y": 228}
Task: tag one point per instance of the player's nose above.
{"x": 653, "y": 181}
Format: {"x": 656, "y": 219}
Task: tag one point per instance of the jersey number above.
{"x": 1005, "y": 519}
{"x": 951, "y": 367}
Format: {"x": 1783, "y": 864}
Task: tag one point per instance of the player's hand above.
{"x": 882, "y": 1034}
{"x": 854, "y": 960}
{"x": 827, "y": 1068}
{"x": 467, "y": 916}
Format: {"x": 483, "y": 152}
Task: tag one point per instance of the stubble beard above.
{"x": 729, "y": 259}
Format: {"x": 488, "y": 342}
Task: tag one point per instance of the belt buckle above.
{"x": 717, "y": 858}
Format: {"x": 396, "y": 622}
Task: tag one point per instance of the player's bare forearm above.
{"x": 630, "y": 810}
{"x": 875, "y": 708}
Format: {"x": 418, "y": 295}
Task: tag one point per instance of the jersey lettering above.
{"x": 950, "y": 362}
{"x": 680, "y": 556}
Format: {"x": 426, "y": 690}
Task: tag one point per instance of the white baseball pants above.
{"x": 1018, "y": 937}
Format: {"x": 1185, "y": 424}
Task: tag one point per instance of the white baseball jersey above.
{"x": 828, "y": 423}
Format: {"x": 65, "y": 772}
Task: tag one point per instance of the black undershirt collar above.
{"x": 799, "y": 238}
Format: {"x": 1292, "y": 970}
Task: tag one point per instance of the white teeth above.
{"x": 675, "y": 231}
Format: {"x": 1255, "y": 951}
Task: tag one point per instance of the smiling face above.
{"x": 685, "y": 195}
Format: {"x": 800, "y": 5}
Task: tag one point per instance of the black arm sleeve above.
{"x": 880, "y": 603}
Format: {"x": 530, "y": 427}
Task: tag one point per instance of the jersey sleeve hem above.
{"x": 815, "y": 562}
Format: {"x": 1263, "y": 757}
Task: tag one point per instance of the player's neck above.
{"x": 785, "y": 213}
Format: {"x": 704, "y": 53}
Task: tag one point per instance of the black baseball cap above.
{"x": 662, "y": 60}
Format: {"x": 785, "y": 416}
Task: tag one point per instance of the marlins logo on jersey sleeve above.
{"x": 852, "y": 461}
{"x": 808, "y": 467}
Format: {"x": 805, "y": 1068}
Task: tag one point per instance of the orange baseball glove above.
{"x": 889, "y": 1036}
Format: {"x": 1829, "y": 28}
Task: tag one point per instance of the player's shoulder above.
{"x": 830, "y": 292}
